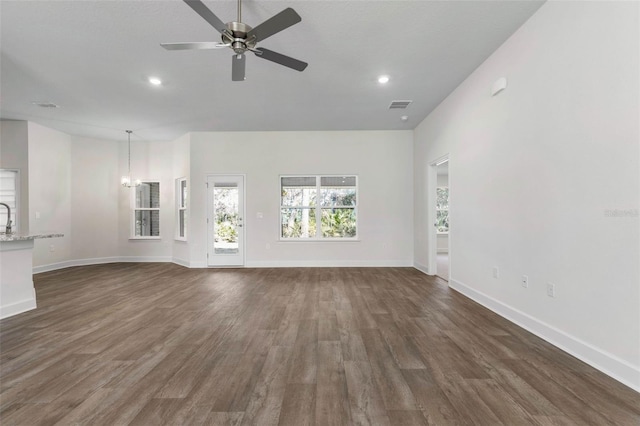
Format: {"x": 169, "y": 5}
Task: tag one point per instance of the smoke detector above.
{"x": 46, "y": 104}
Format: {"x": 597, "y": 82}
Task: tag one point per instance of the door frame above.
{"x": 432, "y": 234}
{"x": 209, "y": 223}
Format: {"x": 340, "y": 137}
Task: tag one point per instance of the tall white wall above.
{"x": 534, "y": 173}
{"x": 49, "y": 193}
{"x": 14, "y": 154}
{"x": 382, "y": 160}
{"x": 94, "y": 199}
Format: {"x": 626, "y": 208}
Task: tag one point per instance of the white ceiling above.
{"x": 93, "y": 58}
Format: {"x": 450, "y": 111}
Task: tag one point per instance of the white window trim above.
{"x": 15, "y": 212}
{"x": 180, "y": 207}
{"x": 133, "y": 209}
{"x": 318, "y": 212}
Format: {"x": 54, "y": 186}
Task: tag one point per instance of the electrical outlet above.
{"x": 525, "y": 281}
{"x": 52, "y": 248}
{"x": 551, "y": 290}
{"x": 496, "y": 272}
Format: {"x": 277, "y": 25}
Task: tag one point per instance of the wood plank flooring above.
{"x": 156, "y": 344}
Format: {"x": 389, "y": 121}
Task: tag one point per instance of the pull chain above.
{"x": 129, "y": 137}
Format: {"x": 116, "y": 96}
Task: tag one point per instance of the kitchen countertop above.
{"x": 18, "y": 236}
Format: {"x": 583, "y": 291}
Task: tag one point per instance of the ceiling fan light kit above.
{"x": 241, "y": 38}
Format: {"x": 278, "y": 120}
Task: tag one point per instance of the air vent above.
{"x": 46, "y": 104}
{"x": 399, "y": 104}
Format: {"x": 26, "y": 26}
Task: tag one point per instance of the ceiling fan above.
{"x": 241, "y": 38}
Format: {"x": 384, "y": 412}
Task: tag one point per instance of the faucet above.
{"x": 8, "y": 227}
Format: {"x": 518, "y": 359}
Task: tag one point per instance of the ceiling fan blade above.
{"x": 194, "y": 45}
{"x": 275, "y": 24}
{"x": 206, "y": 14}
{"x": 281, "y": 59}
{"x": 237, "y": 67}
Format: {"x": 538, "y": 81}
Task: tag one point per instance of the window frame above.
{"x": 181, "y": 206}
{"x": 15, "y": 216}
{"x": 317, "y": 209}
{"x": 134, "y": 209}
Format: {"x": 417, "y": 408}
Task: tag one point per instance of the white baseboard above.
{"x": 421, "y": 268}
{"x": 329, "y": 264}
{"x": 146, "y": 259}
{"x": 99, "y": 261}
{"x": 256, "y": 264}
{"x": 17, "y": 308}
{"x": 181, "y": 262}
{"x": 617, "y": 368}
{"x": 70, "y": 263}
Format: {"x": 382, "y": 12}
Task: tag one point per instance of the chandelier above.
{"x": 126, "y": 180}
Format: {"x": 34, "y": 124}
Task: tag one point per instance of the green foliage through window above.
{"x": 305, "y": 200}
{"x": 442, "y": 209}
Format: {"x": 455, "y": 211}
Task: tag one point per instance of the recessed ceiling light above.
{"x": 404, "y": 118}
{"x": 155, "y": 81}
{"x": 383, "y": 79}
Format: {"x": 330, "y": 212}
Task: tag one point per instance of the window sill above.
{"x": 317, "y": 240}
{"x": 180, "y": 239}
{"x": 442, "y": 233}
{"x": 144, "y": 238}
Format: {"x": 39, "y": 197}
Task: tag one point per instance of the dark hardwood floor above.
{"x": 153, "y": 344}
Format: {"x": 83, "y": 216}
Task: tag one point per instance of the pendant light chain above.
{"x": 129, "y": 137}
{"x": 126, "y": 180}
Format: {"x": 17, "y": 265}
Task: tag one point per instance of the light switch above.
{"x": 259, "y": 215}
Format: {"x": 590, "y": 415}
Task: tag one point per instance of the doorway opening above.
{"x": 439, "y": 234}
{"x": 225, "y": 220}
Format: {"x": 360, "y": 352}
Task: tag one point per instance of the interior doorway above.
{"x": 225, "y": 220}
{"x": 439, "y": 234}
{"x": 442, "y": 220}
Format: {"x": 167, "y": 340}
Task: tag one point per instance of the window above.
{"x": 9, "y": 195}
{"x": 181, "y": 208}
{"x": 442, "y": 210}
{"x": 146, "y": 210}
{"x": 307, "y": 201}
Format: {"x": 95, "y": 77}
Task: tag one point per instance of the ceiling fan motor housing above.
{"x": 236, "y": 35}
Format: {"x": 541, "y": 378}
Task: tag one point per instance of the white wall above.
{"x": 74, "y": 186}
{"x": 533, "y": 172}
{"x": 94, "y": 198}
{"x": 14, "y": 154}
{"x": 382, "y": 160}
{"x": 49, "y": 193}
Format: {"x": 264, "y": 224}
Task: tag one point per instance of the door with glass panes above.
{"x": 225, "y": 220}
